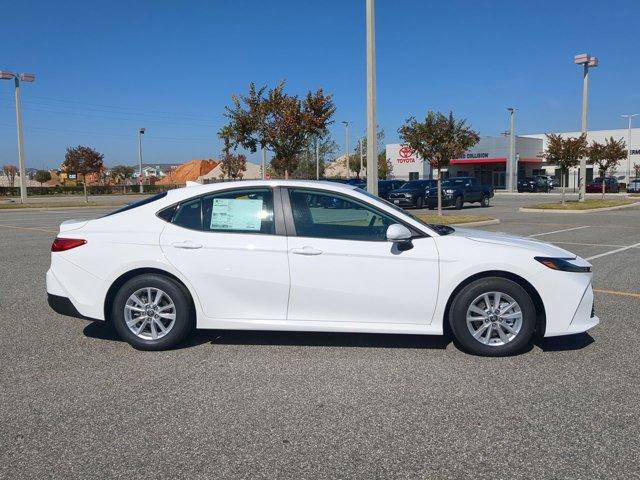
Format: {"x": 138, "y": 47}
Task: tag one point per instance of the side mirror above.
{"x": 400, "y": 235}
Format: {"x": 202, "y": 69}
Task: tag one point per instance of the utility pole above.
{"x": 317, "y": 160}
{"x": 586, "y": 61}
{"x": 140, "y": 177}
{"x": 346, "y": 145}
{"x": 512, "y": 168}
{"x": 264, "y": 163}
{"x": 372, "y": 144}
{"x": 629, "y": 116}
{"x": 361, "y": 158}
{"x": 17, "y": 77}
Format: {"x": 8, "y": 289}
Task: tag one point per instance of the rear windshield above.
{"x": 139, "y": 203}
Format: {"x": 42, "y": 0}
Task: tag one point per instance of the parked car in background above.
{"x": 610, "y": 185}
{"x": 533, "y": 184}
{"x": 634, "y": 186}
{"x": 385, "y": 186}
{"x": 411, "y": 193}
{"x": 263, "y": 255}
{"x": 550, "y": 179}
{"x": 457, "y": 191}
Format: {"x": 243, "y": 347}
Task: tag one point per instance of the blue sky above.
{"x": 105, "y": 68}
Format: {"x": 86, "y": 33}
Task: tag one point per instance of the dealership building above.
{"x": 487, "y": 160}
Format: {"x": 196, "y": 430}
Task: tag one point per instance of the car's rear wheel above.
{"x": 459, "y": 203}
{"x": 419, "y": 202}
{"x": 152, "y": 312}
{"x": 493, "y": 316}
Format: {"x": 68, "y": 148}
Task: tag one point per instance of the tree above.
{"x": 607, "y": 156}
{"x": 438, "y": 139}
{"x": 385, "y": 167}
{"x": 10, "y": 171}
{"x": 636, "y": 170}
{"x": 307, "y": 165}
{"x": 231, "y": 165}
{"x": 42, "y": 176}
{"x": 565, "y": 153}
{"x": 354, "y": 160}
{"x": 83, "y": 160}
{"x": 278, "y": 122}
{"x": 120, "y": 173}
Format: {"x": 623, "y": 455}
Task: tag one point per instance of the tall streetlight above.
{"x": 512, "y": 168}
{"x": 629, "y": 116}
{"x": 361, "y": 156}
{"x": 346, "y": 145}
{"x": 17, "y": 77}
{"x": 140, "y": 134}
{"x": 587, "y": 62}
{"x": 372, "y": 141}
{"x": 317, "y": 160}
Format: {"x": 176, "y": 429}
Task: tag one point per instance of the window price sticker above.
{"x": 236, "y": 214}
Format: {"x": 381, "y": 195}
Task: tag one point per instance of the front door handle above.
{"x": 187, "y": 244}
{"x": 306, "y": 250}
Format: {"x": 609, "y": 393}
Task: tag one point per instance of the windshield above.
{"x": 454, "y": 182}
{"x": 440, "y": 229}
{"x": 413, "y": 184}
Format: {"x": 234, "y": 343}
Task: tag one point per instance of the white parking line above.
{"x": 559, "y": 231}
{"x": 613, "y": 251}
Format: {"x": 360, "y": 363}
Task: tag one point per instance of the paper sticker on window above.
{"x": 235, "y": 214}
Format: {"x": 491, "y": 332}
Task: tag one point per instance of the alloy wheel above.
{"x": 150, "y": 313}
{"x": 494, "y": 318}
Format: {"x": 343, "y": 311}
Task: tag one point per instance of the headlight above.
{"x": 562, "y": 264}
{"x": 408, "y": 195}
{"x": 449, "y": 191}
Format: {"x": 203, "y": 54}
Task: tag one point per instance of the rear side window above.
{"x": 189, "y": 215}
{"x": 139, "y": 203}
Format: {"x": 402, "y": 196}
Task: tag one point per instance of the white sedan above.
{"x": 313, "y": 257}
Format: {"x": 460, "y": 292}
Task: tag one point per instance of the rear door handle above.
{"x": 187, "y": 244}
{"x": 306, "y": 250}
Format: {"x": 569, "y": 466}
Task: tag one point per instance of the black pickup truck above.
{"x": 457, "y": 191}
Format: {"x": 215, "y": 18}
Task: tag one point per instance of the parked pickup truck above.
{"x": 457, "y": 191}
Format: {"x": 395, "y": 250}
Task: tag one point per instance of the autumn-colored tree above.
{"x": 606, "y": 156}
{"x": 636, "y": 170}
{"x": 565, "y": 153}
{"x": 385, "y": 167}
{"x": 84, "y": 161}
{"x": 279, "y": 122}
{"x": 231, "y": 165}
{"x": 120, "y": 173}
{"x": 42, "y": 176}
{"x": 438, "y": 139}
{"x": 10, "y": 171}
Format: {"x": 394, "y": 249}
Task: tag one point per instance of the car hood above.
{"x": 405, "y": 190}
{"x": 496, "y": 238}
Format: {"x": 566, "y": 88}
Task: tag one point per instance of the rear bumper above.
{"x": 63, "y": 306}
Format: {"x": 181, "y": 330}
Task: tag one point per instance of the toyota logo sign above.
{"x": 406, "y": 151}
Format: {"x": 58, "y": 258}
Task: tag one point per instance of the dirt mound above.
{"x": 189, "y": 171}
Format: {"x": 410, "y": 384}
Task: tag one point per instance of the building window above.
{"x": 414, "y": 175}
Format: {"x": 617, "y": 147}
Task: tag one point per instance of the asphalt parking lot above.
{"x": 76, "y": 402}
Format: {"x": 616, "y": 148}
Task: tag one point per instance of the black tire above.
{"x": 419, "y": 202}
{"x": 475, "y": 289}
{"x": 183, "y": 311}
{"x": 484, "y": 202}
{"x": 459, "y": 203}
{"x": 431, "y": 207}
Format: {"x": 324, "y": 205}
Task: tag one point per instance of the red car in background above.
{"x": 610, "y": 185}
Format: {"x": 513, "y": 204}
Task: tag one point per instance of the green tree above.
{"x": 438, "y": 139}
{"x": 85, "y": 161}
{"x": 306, "y": 168}
{"x": 120, "y": 173}
{"x": 42, "y": 176}
{"x": 279, "y": 122}
{"x": 354, "y": 160}
{"x": 607, "y": 156}
{"x": 565, "y": 153}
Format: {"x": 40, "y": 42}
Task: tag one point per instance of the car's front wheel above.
{"x": 485, "y": 201}
{"x": 493, "y": 316}
{"x": 152, "y": 312}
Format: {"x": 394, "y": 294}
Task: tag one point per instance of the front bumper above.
{"x": 403, "y": 202}
{"x": 583, "y": 319}
{"x": 447, "y": 201}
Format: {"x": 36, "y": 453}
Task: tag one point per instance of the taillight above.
{"x": 62, "y": 244}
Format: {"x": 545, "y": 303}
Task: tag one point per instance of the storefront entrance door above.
{"x": 499, "y": 179}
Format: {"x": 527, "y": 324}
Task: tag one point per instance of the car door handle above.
{"x": 187, "y": 244}
{"x": 306, "y": 250}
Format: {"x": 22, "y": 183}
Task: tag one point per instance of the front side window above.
{"x": 326, "y": 215}
{"x": 239, "y": 211}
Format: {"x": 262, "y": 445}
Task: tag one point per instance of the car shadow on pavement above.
{"x": 104, "y": 331}
{"x": 565, "y": 343}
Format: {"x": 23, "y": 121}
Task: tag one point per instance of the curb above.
{"x": 493, "y": 221}
{"x": 590, "y": 210}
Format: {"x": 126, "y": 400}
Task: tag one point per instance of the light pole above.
{"x": 586, "y": 61}
{"x": 317, "y": 160}
{"x": 264, "y": 163}
{"x": 512, "y": 168}
{"x": 361, "y": 156}
{"x": 372, "y": 141}
{"x": 140, "y": 179}
{"x": 346, "y": 145}
{"x": 629, "y": 116}
{"x": 17, "y": 77}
